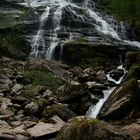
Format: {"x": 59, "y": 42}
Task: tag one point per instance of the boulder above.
{"x": 99, "y": 56}
{"x": 121, "y": 101}
{"x": 83, "y": 128}
{"x": 31, "y": 108}
{"x": 46, "y": 129}
{"x": 60, "y": 110}
{"x": 133, "y": 129}
{"x": 77, "y": 97}
{"x": 16, "y": 88}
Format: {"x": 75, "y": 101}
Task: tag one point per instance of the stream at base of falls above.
{"x": 95, "y": 109}
{"x": 64, "y": 20}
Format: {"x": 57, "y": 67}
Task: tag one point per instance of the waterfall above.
{"x": 94, "y": 110}
{"x": 76, "y": 18}
{"x": 38, "y": 39}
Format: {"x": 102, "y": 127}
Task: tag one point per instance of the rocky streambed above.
{"x": 38, "y": 97}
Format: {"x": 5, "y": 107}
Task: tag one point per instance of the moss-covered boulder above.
{"x": 134, "y": 71}
{"x": 17, "y": 21}
{"x": 85, "y": 54}
{"x": 132, "y": 57}
{"x": 121, "y": 102}
{"x": 15, "y": 46}
{"x": 133, "y": 64}
{"x": 60, "y": 110}
{"x": 82, "y": 128}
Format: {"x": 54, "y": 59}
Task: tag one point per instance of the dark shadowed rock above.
{"x": 60, "y": 110}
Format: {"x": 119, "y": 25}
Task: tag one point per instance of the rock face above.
{"x": 100, "y": 56}
{"x": 16, "y": 23}
{"x": 121, "y": 101}
{"x": 82, "y": 128}
{"x": 117, "y": 8}
{"x": 42, "y": 129}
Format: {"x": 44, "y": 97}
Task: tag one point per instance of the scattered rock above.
{"x": 60, "y": 110}
{"x": 31, "y": 108}
{"x": 16, "y": 88}
{"x": 45, "y": 129}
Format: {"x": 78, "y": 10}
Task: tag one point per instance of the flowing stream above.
{"x": 94, "y": 110}
{"x": 76, "y": 18}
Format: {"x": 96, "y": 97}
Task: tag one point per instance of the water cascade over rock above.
{"x": 94, "y": 110}
{"x": 65, "y": 20}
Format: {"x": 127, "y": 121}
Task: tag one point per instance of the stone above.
{"x": 60, "y": 110}
{"x": 15, "y": 123}
{"x": 31, "y": 108}
{"x": 44, "y": 129}
{"x": 133, "y": 129}
{"x": 16, "y": 88}
{"x": 84, "y": 128}
{"x": 121, "y": 101}
{"x": 4, "y": 88}
{"x": 101, "y": 76}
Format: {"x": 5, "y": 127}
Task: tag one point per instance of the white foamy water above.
{"x": 55, "y": 9}
{"x": 94, "y": 110}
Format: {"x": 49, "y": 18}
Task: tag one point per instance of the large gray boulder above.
{"x": 82, "y": 128}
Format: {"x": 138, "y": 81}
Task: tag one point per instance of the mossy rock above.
{"x": 44, "y": 78}
{"x": 60, "y": 110}
{"x": 83, "y": 128}
{"x": 30, "y": 92}
{"x": 73, "y": 93}
{"x": 14, "y": 46}
{"x": 84, "y": 54}
{"x": 134, "y": 71}
{"x": 132, "y": 57}
{"x": 121, "y": 102}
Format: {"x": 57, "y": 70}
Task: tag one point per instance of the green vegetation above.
{"x": 83, "y": 54}
{"x": 14, "y": 46}
{"x": 37, "y": 78}
{"x": 126, "y": 10}
{"x": 134, "y": 71}
{"x": 78, "y": 129}
{"x": 133, "y": 64}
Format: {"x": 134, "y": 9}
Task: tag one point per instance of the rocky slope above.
{"x": 43, "y": 95}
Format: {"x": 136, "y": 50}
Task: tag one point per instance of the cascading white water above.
{"x": 55, "y": 8}
{"x": 38, "y": 39}
{"x": 94, "y": 110}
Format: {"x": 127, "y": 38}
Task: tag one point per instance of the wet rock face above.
{"x": 82, "y": 128}
{"x": 121, "y": 102}
{"x": 16, "y": 23}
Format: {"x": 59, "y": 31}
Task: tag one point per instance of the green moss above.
{"x": 41, "y": 102}
{"x": 60, "y": 110}
{"x": 78, "y": 129}
{"x": 15, "y": 46}
{"x": 134, "y": 71}
{"x": 53, "y": 110}
{"x": 85, "y": 55}
{"x": 37, "y": 78}
{"x": 30, "y": 91}
{"x": 132, "y": 57}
